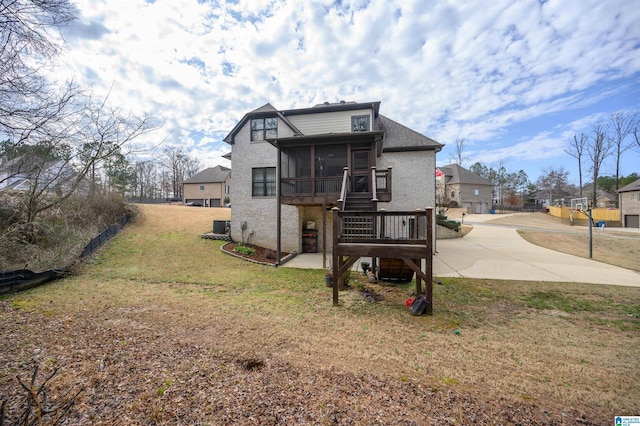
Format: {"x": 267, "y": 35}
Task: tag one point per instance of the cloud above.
{"x": 467, "y": 69}
{"x": 92, "y": 30}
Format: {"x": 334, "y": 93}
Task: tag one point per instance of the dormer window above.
{"x": 264, "y": 128}
{"x": 360, "y": 123}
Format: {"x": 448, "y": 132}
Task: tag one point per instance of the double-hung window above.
{"x": 263, "y": 182}
{"x": 264, "y": 128}
{"x": 360, "y": 123}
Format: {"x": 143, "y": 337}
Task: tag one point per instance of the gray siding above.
{"x": 329, "y": 122}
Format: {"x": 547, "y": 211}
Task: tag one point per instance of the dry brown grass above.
{"x": 161, "y": 325}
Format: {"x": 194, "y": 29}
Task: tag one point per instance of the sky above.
{"x": 516, "y": 79}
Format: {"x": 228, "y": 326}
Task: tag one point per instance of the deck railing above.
{"x": 382, "y": 227}
{"x": 335, "y": 185}
{"x": 310, "y": 186}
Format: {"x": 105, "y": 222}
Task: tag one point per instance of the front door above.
{"x": 360, "y": 170}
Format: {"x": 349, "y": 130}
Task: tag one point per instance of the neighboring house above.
{"x": 629, "y": 204}
{"x": 25, "y": 171}
{"x": 309, "y": 153}
{"x": 604, "y": 199}
{"x": 457, "y": 185}
{"x": 209, "y": 188}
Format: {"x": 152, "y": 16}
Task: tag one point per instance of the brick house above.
{"x": 307, "y": 154}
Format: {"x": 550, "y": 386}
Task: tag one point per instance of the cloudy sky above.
{"x": 515, "y": 79}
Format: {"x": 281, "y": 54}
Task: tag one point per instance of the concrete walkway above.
{"x": 498, "y": 252}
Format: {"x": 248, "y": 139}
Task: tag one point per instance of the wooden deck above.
{"x": 405, "y": 235}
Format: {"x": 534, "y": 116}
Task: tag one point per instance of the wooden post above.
{"x": 324, "y": 234}
{"x": 278, "y": 210}
{"x": 429, "y": 261}
{"x": 335, "y": 267}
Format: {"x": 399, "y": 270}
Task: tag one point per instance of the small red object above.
{"x": 409, "y": 302}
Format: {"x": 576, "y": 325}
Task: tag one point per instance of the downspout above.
{"x": 324, "y": 234}
{"x": 278, "y": 209}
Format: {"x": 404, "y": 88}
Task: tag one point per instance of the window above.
{"x": 263, "y": 182}
{"x": 476, "y": 192}
{"x": 360, "y": 123}
{"x": 201, "y": 187}
{"x": 226, "y": 189}
{"x": 264, "y": 128}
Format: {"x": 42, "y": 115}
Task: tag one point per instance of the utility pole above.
{"x": 590, "y": 233}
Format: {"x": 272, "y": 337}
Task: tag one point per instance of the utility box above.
{"x": 221, "y": 226}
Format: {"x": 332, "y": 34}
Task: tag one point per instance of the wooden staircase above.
{"x": 360, "y": 202}
{"x": 359, "y": 227}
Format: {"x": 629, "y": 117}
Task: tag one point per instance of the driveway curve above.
{"x": 498, "y": 252}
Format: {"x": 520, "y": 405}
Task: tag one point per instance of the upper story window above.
{"x": 264, "y": 128}
{"x": 360, "y": 123}
{"x": 201, "y": 187}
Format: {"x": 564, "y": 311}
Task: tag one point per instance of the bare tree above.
{"x": 458, "y": 156}
{"x": 554, "y": 183}
{"x": 100, "y": 134}
{"x": 576, "y": 150}
{"x": 179, "y": 166}
{"x": 31, "y": 106}
{"x": 145, "y": 173}
{"x": 598, "y": 148}
{"x": 622, "y": 125}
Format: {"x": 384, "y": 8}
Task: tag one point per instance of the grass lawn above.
{"x": 160, "y": 327}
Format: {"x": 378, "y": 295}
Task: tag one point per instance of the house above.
{"x": 605, "y": 199}
{"x": 458, "y": 186}
{"x": 209, "y": 188}
{"x": 27, "y": 172}
{"x": 629, "y": 204}
{"x": 316, "y": 144}
{"x": 298, "y": 171}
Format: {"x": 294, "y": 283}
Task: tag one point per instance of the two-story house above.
{"x": 459, "y": 186}
{"x": 629, "y": 202}
{"x": 208, "y": 188}
{"x": 294, "y": 170}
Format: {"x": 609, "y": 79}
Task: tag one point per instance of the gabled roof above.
{"x": 633, "y": 186}
{"x": 266, "y": 110}
{"x": 455, "y": 173}
{"x": 401, "y": 138}
{"x": 604, "y": 194}
{"x": 211, "y": 175}
{"x": 396, "y": 136}
{"x": 25, "y": 165}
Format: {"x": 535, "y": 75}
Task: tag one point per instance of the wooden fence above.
{"x": 598, "y": 214}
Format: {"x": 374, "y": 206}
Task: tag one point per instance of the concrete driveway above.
{"x": 498, "y": 252}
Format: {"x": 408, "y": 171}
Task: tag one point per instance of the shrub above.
{"x": 241, "y": 248}
{"x": 442, "y": 220}
{"x": 55, "y": 239}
